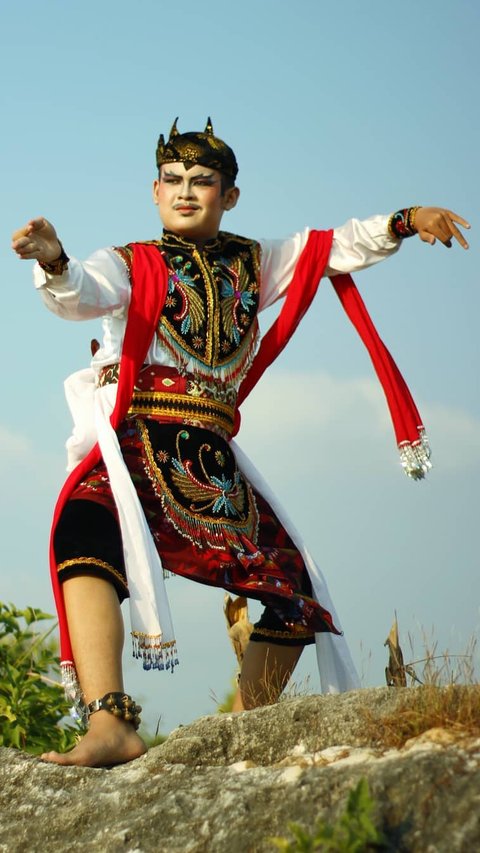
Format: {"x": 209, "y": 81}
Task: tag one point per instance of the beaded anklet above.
{"x": 402, "y": 223}
{"x": 120, "y": 705}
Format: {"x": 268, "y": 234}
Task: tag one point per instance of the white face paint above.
{"x": 190, "y": 201}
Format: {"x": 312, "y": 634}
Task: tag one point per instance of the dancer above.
{"x": 156, "y": 483}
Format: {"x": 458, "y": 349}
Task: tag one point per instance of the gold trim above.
{"x": 167, "y": 396}
{"x": 213, "y": 320}
{"x": 182, "y": 406}
{"x": 215, "y": 420}
{"x": 141, "y": 635}
{"x": 287, "y": 635}
{"x": 92, "y": 561}
{"x": 125, "y": 254}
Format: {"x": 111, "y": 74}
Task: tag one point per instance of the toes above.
{"x": 55, "y": 757}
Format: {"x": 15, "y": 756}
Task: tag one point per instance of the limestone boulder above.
{"x": 228, "y": 783}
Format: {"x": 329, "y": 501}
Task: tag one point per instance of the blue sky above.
{"x": 334, "y": 110}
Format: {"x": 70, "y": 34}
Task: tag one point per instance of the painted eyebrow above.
{"x": 176, "y": 175}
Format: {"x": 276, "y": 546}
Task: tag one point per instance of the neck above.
{"x": 197, "y": 242}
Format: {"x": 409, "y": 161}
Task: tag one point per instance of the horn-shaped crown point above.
{"x": 174, "y": 131}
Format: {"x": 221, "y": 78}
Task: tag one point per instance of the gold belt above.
{"x": 171, "y": 405}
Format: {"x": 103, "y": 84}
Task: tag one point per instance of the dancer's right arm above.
{"x": 98, "y": 286}
{"x": 37, "y": 241}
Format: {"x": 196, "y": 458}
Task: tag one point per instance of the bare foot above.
{"x": 109, "y": 741}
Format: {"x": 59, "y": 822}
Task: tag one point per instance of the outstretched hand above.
{"x": 434, "y": 223}
{"x": 37, "y": 240}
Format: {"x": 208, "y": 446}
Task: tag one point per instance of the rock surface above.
{"x": 227, "y": 783}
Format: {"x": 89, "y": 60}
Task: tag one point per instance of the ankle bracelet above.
{"x": 120, "y": 705}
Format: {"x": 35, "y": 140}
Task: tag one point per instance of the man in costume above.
{"x": 156, "y": 483}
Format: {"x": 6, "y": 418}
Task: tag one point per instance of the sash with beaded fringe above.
{"x": 409, "y": 431}
{"x": 149, "y": 288}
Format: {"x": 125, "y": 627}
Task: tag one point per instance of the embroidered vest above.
{"x": 209, "y": 321}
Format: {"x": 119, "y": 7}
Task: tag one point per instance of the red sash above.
{"x": 149, "y": 289}
{"x": 407, "y": 424}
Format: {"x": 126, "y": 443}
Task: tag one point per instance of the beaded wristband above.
{"x": 120, "y": 705}
{"x": 402, "y": 223}
{"x": 59, "y": 265}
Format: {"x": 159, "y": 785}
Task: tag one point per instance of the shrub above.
{"x": 32, "y": 702}
{"x": 353, "y": 832}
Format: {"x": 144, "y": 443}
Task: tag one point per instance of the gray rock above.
{"x": 227, "y": 783}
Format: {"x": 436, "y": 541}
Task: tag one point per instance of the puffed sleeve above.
{"x": 356, "y": 245}
{"x": 98, "y": 286}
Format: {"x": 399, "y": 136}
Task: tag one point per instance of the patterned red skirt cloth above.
{"x": 207, "y": 521}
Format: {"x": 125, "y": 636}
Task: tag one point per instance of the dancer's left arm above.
{"x": 439, "y": 223}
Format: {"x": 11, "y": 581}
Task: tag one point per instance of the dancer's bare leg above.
{"x": 96, "y": 632}
{"x": 266, "y": 669}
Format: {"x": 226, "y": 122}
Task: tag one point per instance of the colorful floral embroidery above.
{"x": 190, "y": 315}
{"x": 209, "y": 318}
{"x": 235, "y": 296}
{"x": 201, "y": 489}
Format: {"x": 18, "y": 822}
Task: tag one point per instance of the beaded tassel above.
{"x": 415, "y": 457}
{"x": 153, "y": 653}
{"x": 73, "y": 692}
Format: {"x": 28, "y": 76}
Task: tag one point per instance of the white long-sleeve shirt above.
{"x": 100, "y": 286}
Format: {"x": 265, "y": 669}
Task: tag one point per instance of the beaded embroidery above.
{"x": 209, "y": 320}
{"x": 201, "y": 489}
{"x": 402, "y": 223}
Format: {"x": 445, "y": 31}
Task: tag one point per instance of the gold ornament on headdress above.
{"x": 196, "y": 148}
